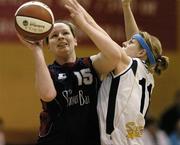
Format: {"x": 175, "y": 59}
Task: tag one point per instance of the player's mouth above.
{"x": 62, "y": 44}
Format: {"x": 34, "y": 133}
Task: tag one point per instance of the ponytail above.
{"x": 161, "y": 65}
{"x": 162, "y": 62}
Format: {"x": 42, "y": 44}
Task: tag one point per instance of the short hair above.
{"x": 69, "y": 24}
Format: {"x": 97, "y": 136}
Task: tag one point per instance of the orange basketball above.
{"x": 34, "y": 20}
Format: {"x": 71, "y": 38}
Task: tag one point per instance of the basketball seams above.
{"x": 34, "y": 20}
{"x": 36, "y": 3}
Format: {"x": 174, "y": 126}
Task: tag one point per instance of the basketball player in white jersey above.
{"x": 124, "y": 95}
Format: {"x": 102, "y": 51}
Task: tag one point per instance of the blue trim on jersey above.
{"x": 144, "y": 45}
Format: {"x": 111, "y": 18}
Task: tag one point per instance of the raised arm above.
{"x": 87, "y": 16}
{"x": 44, "y": 83}
{"x": 89, "y": 19}
{"x": 130, "y": 24}
{"x": 110, "y": 54}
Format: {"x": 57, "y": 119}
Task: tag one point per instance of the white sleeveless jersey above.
{"x": 122, "y": 104}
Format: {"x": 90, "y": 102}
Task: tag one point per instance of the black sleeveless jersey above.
{"x": 71, "y": 118}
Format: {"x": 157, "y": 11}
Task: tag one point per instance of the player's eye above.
{"x": 66, "y": 33}
{"x": 54, "y": 36}
{"x": 131, "y": 41}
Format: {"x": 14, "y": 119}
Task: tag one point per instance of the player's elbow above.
{"x": 48, "y": 95}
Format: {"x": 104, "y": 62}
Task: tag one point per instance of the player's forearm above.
{"x": 130, "y": 23}
{"x": 109, "y": 48}
{"x": 91, "y": 21}
{"x": 44, "y": 82}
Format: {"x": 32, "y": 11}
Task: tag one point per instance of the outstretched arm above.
{"x": 110, "y": 54}
{"x": 130, "y": 24}
{"x": 86, "y": 15}
{"x": 44, "y": 83}
{"x": 89, "y": 19}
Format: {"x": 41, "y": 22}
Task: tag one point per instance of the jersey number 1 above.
{"x": 142, "y": 82}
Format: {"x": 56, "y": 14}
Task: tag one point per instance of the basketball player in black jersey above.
{"x": 68, "y": 87}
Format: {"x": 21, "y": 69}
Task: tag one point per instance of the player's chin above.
{"x": 62, "y": 47}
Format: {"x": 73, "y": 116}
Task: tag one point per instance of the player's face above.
{"x": 131, "y": 47}
{"x": 61, "y": 40}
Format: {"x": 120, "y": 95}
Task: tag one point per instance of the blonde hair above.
{"x": 162, "y": 62}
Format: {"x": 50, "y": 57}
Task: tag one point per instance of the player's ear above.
{"x": 46, "y": 42}
{"x": 75, "y": 41}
